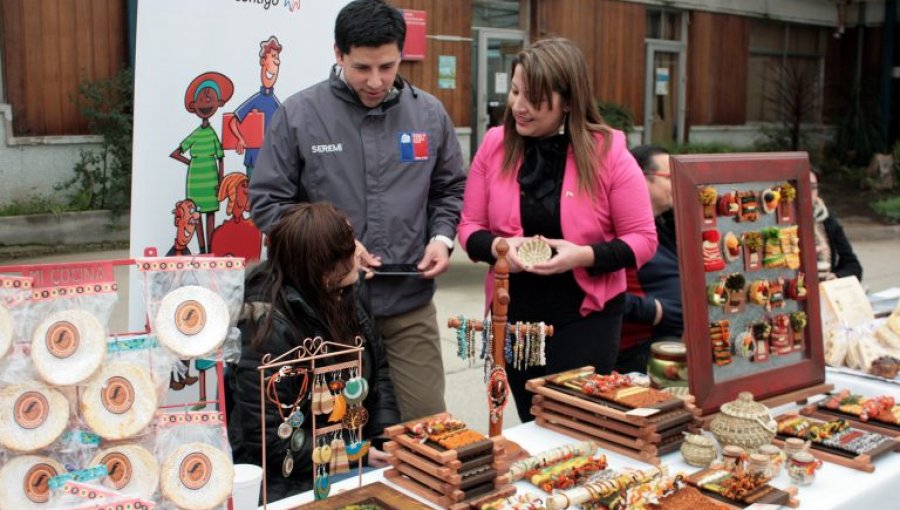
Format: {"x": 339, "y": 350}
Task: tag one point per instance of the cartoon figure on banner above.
{"x": 237, "y": 236}
{"x": 186, "y": 220}
{"x": 206, "y": 167}
{"x": 244, "y": 129}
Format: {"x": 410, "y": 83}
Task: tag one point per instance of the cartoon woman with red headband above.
{"x": 206, "y": 168}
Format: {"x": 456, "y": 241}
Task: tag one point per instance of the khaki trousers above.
{"x": 413, "y": 346}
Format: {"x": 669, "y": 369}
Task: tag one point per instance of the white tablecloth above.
{"x": 835, "y": 487}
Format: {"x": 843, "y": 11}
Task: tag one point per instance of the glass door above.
{"x": 495, "y": 51}
{"x": 664, "y": 93}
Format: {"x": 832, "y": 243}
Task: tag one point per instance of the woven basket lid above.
{"x": 698, "y": 439}
{"x": 745, "y": 408}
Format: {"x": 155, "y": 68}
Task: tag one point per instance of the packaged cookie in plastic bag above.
{"x": 196, "y": 470}
{"x": 193, "y": 304}
{"x": 69, "y": 330}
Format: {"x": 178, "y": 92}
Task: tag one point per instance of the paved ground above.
{"x": 461, "y": 292}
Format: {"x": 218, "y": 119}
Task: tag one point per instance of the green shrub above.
{"x": 889, "y": 209}
{"x": 102, "y": 178}
{"x": 35, "y": 204}
{"x": 616, "y": 115}
{"x": 702, "y": 148}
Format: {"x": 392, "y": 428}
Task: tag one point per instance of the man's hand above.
{"x": 435, "y": 261}
{"x": 568, "y": 256}
{"x": 367, "y": 261}
{"x": 240, "y": 146}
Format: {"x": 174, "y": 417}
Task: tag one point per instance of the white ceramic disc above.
{"x": 192, "y": 321}
{"x": 68, "y": 347}
{"x": 197, "y": 476}
{"x": 24, "y": 482}
{"x": 132, "y": 470}
{"x": 120, "y": 400}
{"x": 32, "y": 416}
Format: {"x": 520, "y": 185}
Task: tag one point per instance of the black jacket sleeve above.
{"x": 245, "y": 425}
{"x": 843, "y": 261}
{"x": 639, "y": 309}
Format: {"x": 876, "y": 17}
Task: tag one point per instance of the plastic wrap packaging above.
{"x": 75, "y": 495}
{"x": 25, "y": 482}
{"x": 15, "y": 293}
{"x": 120, "y": 401}
{"x": 68, "y": 331}
{"x": 193, "y": 304}
{"x": 196, "y": 471}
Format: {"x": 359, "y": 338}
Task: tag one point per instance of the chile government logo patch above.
{"x": 413, "y": 146}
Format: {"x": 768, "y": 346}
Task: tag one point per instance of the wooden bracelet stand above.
{"x": 457, "y": 479}
{"x": 645, "y": 438}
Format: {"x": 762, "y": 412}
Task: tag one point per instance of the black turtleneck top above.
{"x": 555, "y": 299}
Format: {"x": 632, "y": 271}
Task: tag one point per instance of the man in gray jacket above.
{"x": 387, "y": 155}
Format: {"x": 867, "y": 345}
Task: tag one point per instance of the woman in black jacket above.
{"x": 833, "y": 250}
{"x": 309, "y": 286}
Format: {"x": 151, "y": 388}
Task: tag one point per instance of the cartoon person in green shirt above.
{"x": 206, "y": 168}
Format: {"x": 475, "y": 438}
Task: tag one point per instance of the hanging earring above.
{"x": 321, "y": 485}
{"x": 327, "y": 404}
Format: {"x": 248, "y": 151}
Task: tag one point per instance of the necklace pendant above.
{"x": 287, "y": 467}
{"x": 296, "y": 419}
{"x": 284, "y": 430}
{"x": 298, "y": 439}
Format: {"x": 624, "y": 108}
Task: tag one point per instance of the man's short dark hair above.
{"x": 371, "y": 23}
{"x": 644, "y": 155}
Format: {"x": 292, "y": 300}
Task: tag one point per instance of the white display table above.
{"x": 835, "y": 487}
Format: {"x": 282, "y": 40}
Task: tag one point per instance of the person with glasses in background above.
{"x": 653, "y": 298}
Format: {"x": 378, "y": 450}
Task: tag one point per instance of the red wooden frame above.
{"x": 690, "y": 172}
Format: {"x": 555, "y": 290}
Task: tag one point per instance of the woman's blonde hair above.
{"x": 558, "y": 65}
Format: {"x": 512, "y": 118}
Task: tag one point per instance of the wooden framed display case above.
{"x": 749, "y": 286}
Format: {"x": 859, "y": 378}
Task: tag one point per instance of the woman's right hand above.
{"x": 515, "y": 264}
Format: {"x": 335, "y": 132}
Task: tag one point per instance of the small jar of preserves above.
{"x": 667, "y": 366}
{"x": 802, "y": 468}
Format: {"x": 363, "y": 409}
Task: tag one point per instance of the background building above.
{"x": 686, "y": 70}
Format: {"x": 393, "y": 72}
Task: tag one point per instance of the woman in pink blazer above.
{"x": 556, "y": 170}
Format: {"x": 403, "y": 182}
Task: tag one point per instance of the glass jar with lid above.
{"x": 667, "y": 366}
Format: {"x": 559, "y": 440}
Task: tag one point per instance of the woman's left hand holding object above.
{"x": 567, "y": 257}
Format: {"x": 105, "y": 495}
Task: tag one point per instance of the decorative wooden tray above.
{"x": 814, "y": 411}
{"x": 771, "y": 496}
{"x": 861, "y": 462}
{"x": 614, "y": 411}
{"x": 450, "y": 478}
{"x": 872, "y": 425}
{"x": 376, "y": 493}
{"x": 422, "y": 490}
{"x": 571, "y": 428}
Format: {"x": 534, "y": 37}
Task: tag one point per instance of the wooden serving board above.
{"x": 860, "y": 462}
{"x": 571, "y": 419}
{"x": 443, "y": 471}
{"x": 814, "y": 411}
{"x": 475, "y": 497}
{"x": 773, "y": 497}
{"x": 377, "y": 493}
{"x": 628, "y": 429}
{"x": 562, "y": 428}
{"x": 451, "y": 458}
{"x": 539, "y": 387}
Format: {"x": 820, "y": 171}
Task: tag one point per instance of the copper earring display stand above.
{"x": 305, "y": 356}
